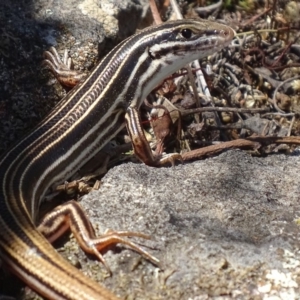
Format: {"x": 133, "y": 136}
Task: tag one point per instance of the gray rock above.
{"x": 223, "y": 228}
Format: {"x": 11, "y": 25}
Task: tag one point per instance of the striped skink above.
{"x": 78, "y": 127}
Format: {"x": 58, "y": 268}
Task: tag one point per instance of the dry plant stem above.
{"x": 250, "y": 142}
{"x": 278, "y": 114}
{"x": 201, "y": 79}
{"x": 251, "y": 21}
{"x": 276, "y": 90}
{"x": 223, "y": 109}
{"x": 195, "y": 91}
{"x": 194, "y": 87}
{"x": 199, "y": 75}
{"x": 273, "y": 13}
{"x": 155, "y": 13}
{"x": 291, "y": 126}
{"x": 215, "y": 149}
{"x": 282, "y": 54}
{"x": 275, "y": 139}
{"x": 209, "y": 8}
{"x": 189, "y": 70}
{"x": 270, "y": 67}
{"x": 249, "y": 33}
{"x": 176, "y": 9}
{"x": 286, "y": 29}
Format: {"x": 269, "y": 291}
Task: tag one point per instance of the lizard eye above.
{"x": 186, "y": 33}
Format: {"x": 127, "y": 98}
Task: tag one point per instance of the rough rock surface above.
{"x": 223, "y": 228}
